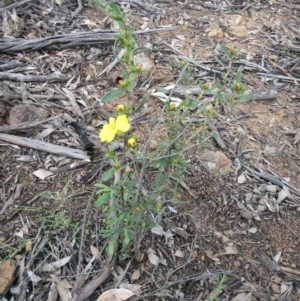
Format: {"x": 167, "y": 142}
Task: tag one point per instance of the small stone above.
{"x": 216, "y": 162}
{"x": 26, "y": 113}
{"x": 7, "y": 275}
{"x": 246, "y": 215}
{"x": 274, "y": 58}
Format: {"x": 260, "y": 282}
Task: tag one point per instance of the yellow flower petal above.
{"x": 122, "y": 124}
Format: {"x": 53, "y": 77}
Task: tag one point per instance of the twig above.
{"x": 26, "y": 125}
{"x": 79, "y": 8}
{"x": 70, "y": 166}
{"x": 33, "y": 78}
{"x": 45, "y": 146}
{"x": 266, "y": 261}
{"x": 217, "y": 136}
{"x": 87, "y": 208}
{"x": 92, "y": 286}
{"x": 124, "y": 272}
{"x": 14, "y": 5}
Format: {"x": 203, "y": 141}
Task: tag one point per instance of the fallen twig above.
{"x": 33, "y": 78}
{"x": 25, "y": 125}
{"x": 14, "y": 5}
{"x": 45, "y": 146}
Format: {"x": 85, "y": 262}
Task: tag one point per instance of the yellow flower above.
{"x": 114, "y": 127}
{"x": 131, "y": 142}
{"x": 120, "y": 108}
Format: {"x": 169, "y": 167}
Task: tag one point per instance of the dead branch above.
{"x": 92, "y": 286}
{"x": 33, "y": 78}
{"x": 25, "y": 125}
{"x": 66, "y": 40}
{"x": 14, "y": 5}
{"x": 266, "y": 261}
{"x": 78, "y": 9}
{"x": 45, "y": 146}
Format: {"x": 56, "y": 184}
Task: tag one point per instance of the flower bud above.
{"x": 131, "y": 142}
{"x": 120, "y": 108}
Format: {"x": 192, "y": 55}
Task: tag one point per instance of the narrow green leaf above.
{"x": 219, "y": 62}
{"x": 115, "y": 9}
{"x": 100, "y": 4}
{"x": 141, "y": 104}
{"x": 102, "y": 199}
{"x": 107, "y": 174}
{"x": 238, "y": 77}
{"x": 222, "y": 97}
{"x": 140, "y": 49}
{"x": 112, "y": 95}
{"x": 245, "y": 98}
{"x": 225, "y": 50}
{"x": 111, "y": 248}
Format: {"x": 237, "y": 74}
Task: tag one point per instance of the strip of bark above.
{"x": 33, "y": 78}
{"x": 45, "y": 146}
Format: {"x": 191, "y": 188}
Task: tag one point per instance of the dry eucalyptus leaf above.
{"x": 33, "y": 277}
{"x": 135, "y": 288}
{"x": 52, "y": 296}
{"x": 277, "y": 257}
{"x": 211, "y": 255}
{"x": 179, "y": 253}
{"x": 135, "y": 275}
{"x": 42, "y": 173}
{"x": 297, "y": 137}
{"x": 252, "y": 230}
{"x": 63, "y": 290}
{"x": 50, "y": 267}
{"x": 284, "y": 193}
{"x": 241, "y": 179}
{"x": 242, "y": 297}
{"x": 153, "y": 258}
{"x": 116, "y": 294}
{"x": 95, "y": 252}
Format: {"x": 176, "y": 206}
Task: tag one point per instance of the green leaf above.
{"x": 102, "y": 199}
{"x": 115, "y": 9}
{"x": 140, "y": 49}
{"x": 217, "y": 59}
{"x": 225, "y": 50}
{"x": 245, "y": 98}
{"x": 141, "y": 104}
{"x": 112, "y": 95}
{"x": 111, "y": 248}
{"x": 238, "y": 77}
{"x": 100, "y": 4}
{"x": 108, "y": 174}
{"x": 222, "y": 97}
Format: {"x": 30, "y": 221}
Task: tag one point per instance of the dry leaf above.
{"x": 58, "y": 2}
{"x": 42, "y": 173}
{"x": 73, "y": 102}
{"x": 52, "y": 296}
{"x": 95, "y": 252}
{"x": 297, "y": 137}
{"x": 63, "y": 290}
{"x": 284, "y": 193}
{"x": 238, "y": 20}
{"x": 135, "y": 288}
{"x": 135, "y": 275}
{"x": 33, "y": 277}
{"x": 51, "y": 267}
{"x": 241, "y": 179}
{"x": 210, "y": 255}
{"x": 116, "y": 294}
{"x": 242, "y": 297}
{"x": 179, "y": 253}
{"x": 153, "y": 258}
